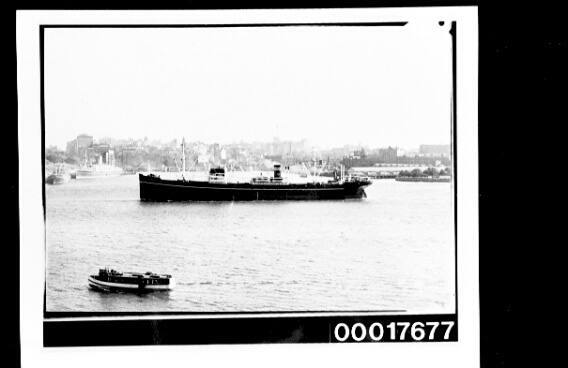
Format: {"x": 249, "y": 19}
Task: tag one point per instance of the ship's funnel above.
{"x": 277, "y": 172}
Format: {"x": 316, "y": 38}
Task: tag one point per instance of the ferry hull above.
{"x": 114, "y": 286}
{"x": 155, "y": 189}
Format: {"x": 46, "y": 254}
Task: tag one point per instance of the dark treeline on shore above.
{"x": 429, "y": 172}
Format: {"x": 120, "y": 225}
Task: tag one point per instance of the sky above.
{"x": 372, "y": 86}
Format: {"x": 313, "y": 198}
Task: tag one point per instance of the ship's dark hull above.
{"x": 152, "y": 188}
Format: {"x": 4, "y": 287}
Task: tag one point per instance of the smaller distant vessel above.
{"x": 97, "y": 171}
{"x": 112, "y": 280}
{"x": 58, "y": 176}
{"x": 103, "y": 168}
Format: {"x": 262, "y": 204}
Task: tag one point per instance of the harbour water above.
{"x": 393, "y": 250}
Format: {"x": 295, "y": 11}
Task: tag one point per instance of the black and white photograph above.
{"x": 213, "y": 166}
{"x": 249, "y": 169}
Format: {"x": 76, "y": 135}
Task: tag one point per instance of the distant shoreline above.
{"x": 424, "y": 179}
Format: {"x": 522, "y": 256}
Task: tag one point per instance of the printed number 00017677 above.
{"x": 394, "y": 331}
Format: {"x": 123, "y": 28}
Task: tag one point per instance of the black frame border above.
{"x": 59, "y": 333}
{"x": 243, "y": 5}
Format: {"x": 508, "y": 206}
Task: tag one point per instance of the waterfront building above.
{"x": 389, "y": 155}
{"x": 77, "y": 146}
{"x": 435, "y": 150}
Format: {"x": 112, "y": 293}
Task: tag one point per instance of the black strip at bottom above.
{"x": 251, "y": 330}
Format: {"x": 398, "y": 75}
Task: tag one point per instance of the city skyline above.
{"x": 332, "y": 86}
{"x": 136, "y": 155}
{"x": 178, "y": 140}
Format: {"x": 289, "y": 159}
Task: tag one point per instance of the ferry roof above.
{"x": 147, "y": 274}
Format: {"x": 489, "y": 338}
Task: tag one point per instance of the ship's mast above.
{"x": 183, "y": 155}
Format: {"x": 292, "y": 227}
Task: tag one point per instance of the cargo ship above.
{"x": 111, "y": 280}
{"x": 217, "y": 188}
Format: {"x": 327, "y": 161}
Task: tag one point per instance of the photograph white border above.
{"x": 464, "y": 353}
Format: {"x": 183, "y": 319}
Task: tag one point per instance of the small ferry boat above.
{"x": 111, "y": 280}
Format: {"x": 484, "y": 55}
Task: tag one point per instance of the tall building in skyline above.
{"x": 78, "y": 145}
